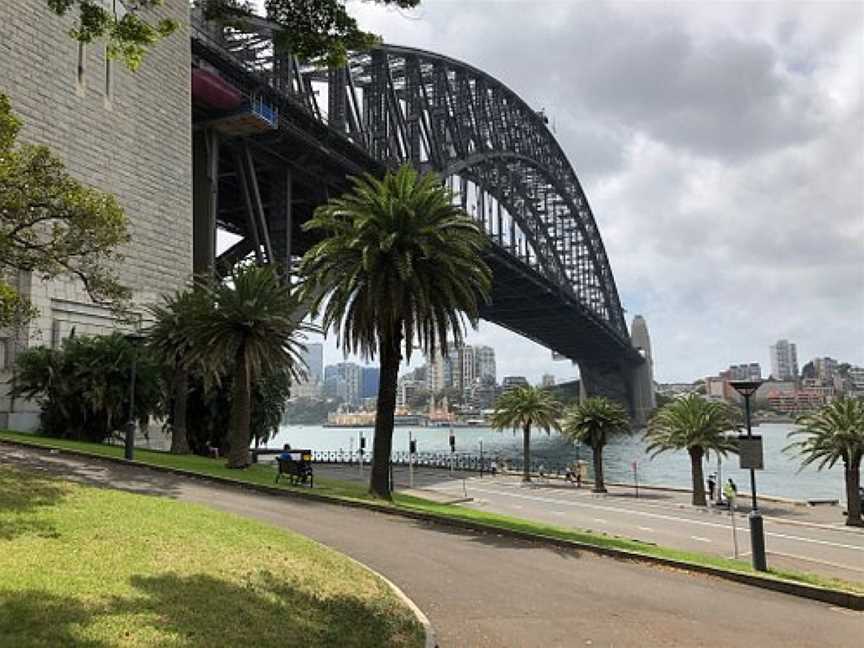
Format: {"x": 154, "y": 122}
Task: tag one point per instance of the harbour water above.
{"x": 782, "y": 475}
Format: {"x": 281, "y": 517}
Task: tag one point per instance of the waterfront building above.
{"x": 308, "y": 390}
{"x": 797, "y": 402}
{"x": 548, "y": 380}
{"x": 855, "y": 380}
{"x": 512, "y": 382}
{"x": 370, "y": 377}
{"x": 486, "y": 369}
{"x": 746, "y": 371}
{"x": 408, "y": 389}
{"x": 825, "y": 368}
{"x": 435, "y": 372}
{"x": 784, "y": 360}
{"x": 313, "y": 356}
{"x": 468, "y": 368}
{"x": 342, "y": 380}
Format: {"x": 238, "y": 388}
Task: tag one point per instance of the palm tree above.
{"x": 248, "y": 326}
{"x": 524, "y": 407}
{"x": 170, "y": 342}
{"x": 698, "y": 426}
{"x": 836, "y": 432}
{"x": 400, "y": 266}
{"x": 592, "y": 422}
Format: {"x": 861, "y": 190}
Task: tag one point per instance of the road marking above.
{"x": 658, "y": 516}
{"x": 701, "y": 539}
{"x": 600, "y": 520}
{"x": 815, "y": 560}
{"x": 641, "y": 528}
{"x": 558, "y": 513}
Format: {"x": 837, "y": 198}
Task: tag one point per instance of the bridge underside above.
{"x": 526, "y": 303}
{"x": 260, "y": 175}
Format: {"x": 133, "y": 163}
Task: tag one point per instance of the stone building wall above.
{"x": 123, "y": 132}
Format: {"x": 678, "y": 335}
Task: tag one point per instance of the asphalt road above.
{"x": 484, "y": 590}
{"x": 795, "y": 537}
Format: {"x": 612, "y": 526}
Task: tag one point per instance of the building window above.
{"x": 82, "y": 65}
{"x": 4, "y": 354}
{"x": 109, "y": 80}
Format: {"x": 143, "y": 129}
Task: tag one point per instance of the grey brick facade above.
{"x": 130, "y": 136}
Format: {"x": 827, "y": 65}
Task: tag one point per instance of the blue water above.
{"x": 780, "y": 477}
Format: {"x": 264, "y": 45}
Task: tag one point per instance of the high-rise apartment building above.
{"x": 370, "y": 377}
{"x": 343, "y": 381}
{"x": 784, "y": 360}
{"x": 436, "y": 379}
{"x": 485, "y": 369}
{"x": 313, "y": 356}
{"x": 746, "y": 371}
{"x": 825, "y": 368}
{"x": 468, "y": 367}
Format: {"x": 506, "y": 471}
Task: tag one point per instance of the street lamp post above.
{"x": 129, "y": 450}
{"x": 757, "y": 533}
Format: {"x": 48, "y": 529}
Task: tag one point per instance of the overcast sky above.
{"x": 721, "y": 147}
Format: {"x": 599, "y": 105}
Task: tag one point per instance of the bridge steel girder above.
{"x": 393, "y": 105}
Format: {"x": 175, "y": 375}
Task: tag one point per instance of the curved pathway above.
{"x": 484, "y": 590}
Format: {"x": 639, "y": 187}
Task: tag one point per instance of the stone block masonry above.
{"x": 126, "y": 133}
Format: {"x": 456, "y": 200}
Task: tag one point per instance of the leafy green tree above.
{"x": 52, "y": 225}
{"x": 836, "y": 433}
{"x": 248, "y": 328}
{"x": 128, "y": 29}
{"x": 399, "y": 266}
{"x": 592, "y": 422}
{"x": 526, "y": 407}
{"x": 170, "y": 341}
{"x": 698, "y": 426}
{"x": 312, "y": 29}
{"x": 83, "y": 387}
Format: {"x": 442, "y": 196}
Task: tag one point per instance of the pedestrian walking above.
{"x": 570, "y": 476}
{"x": 578, "y": 475}
{"x": 493, "y": 467}
{"x": 712, "y": 484}
{"x": 733, "y": 487}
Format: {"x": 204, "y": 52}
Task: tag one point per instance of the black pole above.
{"x": 129, "y": 450}
{"x": 754, "y": 506}
{"x": 757, "y": 533}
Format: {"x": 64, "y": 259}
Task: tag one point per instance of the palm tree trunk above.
{"x": 241, "y": 410}
{"x": 179, "y": 441}
{"x": 379, "y": 483}
{"x": 696, "y": 474}
{"x": 853, "y": 497}
{"x": 597, "y": 456}
{"x": 526, "y": 453}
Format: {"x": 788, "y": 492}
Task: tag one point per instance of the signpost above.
{"x": 636, "y": 477}
{"x": 362, "y": 447}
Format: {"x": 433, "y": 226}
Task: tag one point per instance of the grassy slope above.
{"x": 264, "y": 474}
{"x": 95, "y": 567}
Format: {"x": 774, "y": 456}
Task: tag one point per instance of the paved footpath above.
{"x": 484, "y": 590}
{"x": 796, "y": 537}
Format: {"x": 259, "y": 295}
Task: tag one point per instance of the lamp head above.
{"x": 745, "y": 387}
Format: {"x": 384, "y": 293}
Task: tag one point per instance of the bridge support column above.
{"x": 281, "y": 220}
{"x": 205, "y": 201}
{"x": 613, "y": 382}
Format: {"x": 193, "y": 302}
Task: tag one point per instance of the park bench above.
{"x": 297, "y": 466}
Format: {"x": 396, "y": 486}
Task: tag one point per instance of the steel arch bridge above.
{"x": 299, "y": 130}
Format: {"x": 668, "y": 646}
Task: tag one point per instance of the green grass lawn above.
{"x": 355, "y": 491}
{"x": 94, "y": 567}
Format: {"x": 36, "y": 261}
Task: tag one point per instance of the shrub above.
{"x": 83, "y": 387}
